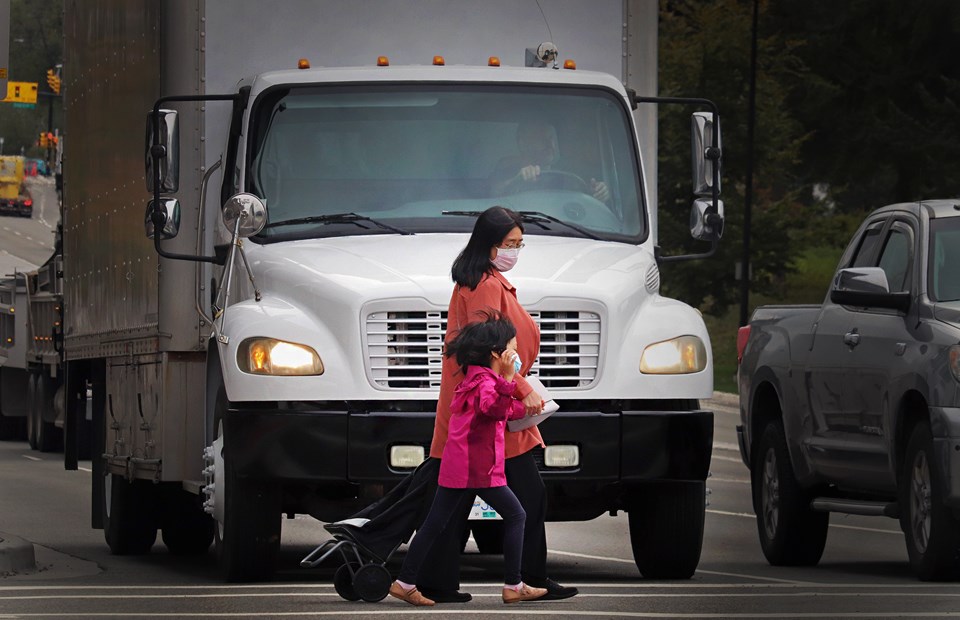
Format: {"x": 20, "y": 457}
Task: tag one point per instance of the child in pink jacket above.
{"x": 472, "y": 462}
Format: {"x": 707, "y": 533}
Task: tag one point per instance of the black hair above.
{"x": 491, "y": 227}
{"x": 474, "y": 343}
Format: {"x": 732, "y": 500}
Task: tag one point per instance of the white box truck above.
{"x": 275, "y": 348}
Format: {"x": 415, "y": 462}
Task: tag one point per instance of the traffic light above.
{"x": 53, "y": 80}
{"x": 51, "y": 139}
{"x": 43, "y": 139}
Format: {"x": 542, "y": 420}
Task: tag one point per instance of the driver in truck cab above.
{"x": 533, "y": 167}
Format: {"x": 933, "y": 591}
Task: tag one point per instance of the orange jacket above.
{"x": 493, "y": 292}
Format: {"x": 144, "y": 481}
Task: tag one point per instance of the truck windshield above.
{"x": 405, "y": 155}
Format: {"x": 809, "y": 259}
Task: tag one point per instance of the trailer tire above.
{"x": 666, "y": 528}
{"x": 791, "y": 534}
{"x": 187, "y": 529}
{"x": 248, "y": 539}
{"x": 43, "y": 435}
{"x": 129, "y": 524}
{"x": 931, "y": 531}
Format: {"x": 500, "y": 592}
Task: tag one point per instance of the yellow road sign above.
{"x": 21, "y": 92}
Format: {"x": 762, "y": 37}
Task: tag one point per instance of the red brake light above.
{"x": 28, "y": 202}
{"x": 743, "y": 334}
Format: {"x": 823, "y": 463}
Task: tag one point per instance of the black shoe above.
{"x": 555, "y": 591}
{"x": 446, "y": 596}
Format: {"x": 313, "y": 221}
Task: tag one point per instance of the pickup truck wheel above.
{"x": 187, "y": 529}
{"x": 248, "y": 538}
{"x": 932, "y": 532}
{"x": 791, "y": 534}
{"x": 666, "y": 528}
{"x": 128, "y": 515}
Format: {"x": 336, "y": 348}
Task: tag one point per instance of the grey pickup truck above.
{"x": 853, "y": 406}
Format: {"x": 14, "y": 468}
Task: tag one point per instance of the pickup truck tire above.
{"x": 666, "y": 528}
{"x": 248, "y": 539}
{"x": 129, "y": 525}
{"x": 931, "y": 531}
{"x": 791, "y": 534}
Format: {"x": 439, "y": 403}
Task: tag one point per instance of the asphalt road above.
{"x": 863, "y": 574}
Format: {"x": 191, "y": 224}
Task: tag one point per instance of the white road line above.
{"x": 31, "y": 458}
{"x": 84, "y": 469}
{"x": 722, "y": 445}
{"x": 488, "y": 612}
{"x": 732, "y": 459}
{"x": 722, "y": 479}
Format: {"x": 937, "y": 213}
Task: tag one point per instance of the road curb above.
{"x": 725, "y": 398}
{"x": 16, "y": 555}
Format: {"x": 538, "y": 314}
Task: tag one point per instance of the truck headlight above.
{"x": 954, "y": 354}
{"x": 268, "y": 356}
{"x": 679, "y": 356}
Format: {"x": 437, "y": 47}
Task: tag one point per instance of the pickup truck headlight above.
{"x": 268, "y": 356}
{"x": 678, "y": 356}
{"x": 954, "y": 355}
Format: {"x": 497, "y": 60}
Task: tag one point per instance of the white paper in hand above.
{"x": 549, "y": 406}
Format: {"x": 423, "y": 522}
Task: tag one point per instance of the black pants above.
{"x": 394, "y": 517}
{"x": 445, "y": 504}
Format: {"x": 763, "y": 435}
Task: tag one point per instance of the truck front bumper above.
{"x": 616, "y": 450}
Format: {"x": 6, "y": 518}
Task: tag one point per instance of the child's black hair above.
{"x": 475, "y": 342}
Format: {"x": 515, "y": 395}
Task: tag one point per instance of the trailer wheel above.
{"x": 791, "y": 534}
{"x": 129, "y": 524}
{"x": 187, "y": 529}
{"x": 666, "y": 528}
{"x": 248, "y": 538}
{"x": 932, "y": 532}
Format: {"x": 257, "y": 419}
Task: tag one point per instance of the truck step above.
{"x": 856, "y": 507}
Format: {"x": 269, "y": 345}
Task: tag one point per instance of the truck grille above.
{"x": 405, "y": 349}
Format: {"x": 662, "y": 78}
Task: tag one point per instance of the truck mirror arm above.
{"x": 159, "y": 152}
{"x": 712, "y": 153}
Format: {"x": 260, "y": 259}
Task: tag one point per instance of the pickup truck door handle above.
{"x": 851, "y": 339}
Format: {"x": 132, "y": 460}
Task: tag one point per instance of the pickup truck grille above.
{"x": 405, "y": 349}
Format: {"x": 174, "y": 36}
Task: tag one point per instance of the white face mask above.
{"x": 506, "y": 258}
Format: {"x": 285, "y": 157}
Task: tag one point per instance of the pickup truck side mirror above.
{"x": 866, "y": 287}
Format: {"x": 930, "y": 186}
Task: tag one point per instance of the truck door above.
{"x": 843, "y": 389}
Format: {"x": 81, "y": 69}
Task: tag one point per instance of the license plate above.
{"x": 482, "y": 511}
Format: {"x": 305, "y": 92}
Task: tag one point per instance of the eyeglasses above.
{"x": 512, "y": 246}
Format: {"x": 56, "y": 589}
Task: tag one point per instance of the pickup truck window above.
{"x": 895, "y": 259}
{"x": 868, "y": 245}
{"x": 944, "y": 256}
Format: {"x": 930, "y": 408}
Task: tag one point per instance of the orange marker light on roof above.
{"x": 569, "y": 64}
{"x": 303, "y": 63}
{"x": 438, "y": 60}
{"x": 383, "y": 61}
{"x": 493, "y": 62}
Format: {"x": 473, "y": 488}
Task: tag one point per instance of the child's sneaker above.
{"x": 411, "y": 596}
{"x": 525, "y": 593}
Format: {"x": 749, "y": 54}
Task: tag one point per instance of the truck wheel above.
{"x": 187, "y": 529}
{"x": 128, "y": 515}
{"x": 32, "y": 410}
{"x": 248, "y": 538}
{"x": 790, "y": 533}
{"x": 666, "y": 528}
{"x": 932, "y": 532}
{"x": 489, "y": 536}
{"x": 46, "y": 436}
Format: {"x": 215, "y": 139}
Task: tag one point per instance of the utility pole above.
{"x": 748, "y": 193}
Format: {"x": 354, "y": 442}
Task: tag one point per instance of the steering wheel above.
{"x": 583, "y": 186}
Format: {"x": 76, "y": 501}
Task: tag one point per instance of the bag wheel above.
{"x": 343, "y": 581}
{"x": 372, "y": 582}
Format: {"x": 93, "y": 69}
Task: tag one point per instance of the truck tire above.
{"x": 187, "y": 529}
{"x": 129, "y": 524}
{"x": 666, "y": 528}
{"x": 248, "y": 539}
{"x": 791, "y": 534}
{"x": 932, "y": 532}
{"x": 32, "y": 410}
{"x": 43, "y": 435}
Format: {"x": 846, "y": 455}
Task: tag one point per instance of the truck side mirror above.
{"x": 171, "y": 226}
{"x": 705, "y": 223}
{"x": 704, "y": 153}
{"x": 249, "y": 210}
{"x": 167, "y": 144}
{"x": 866, "y": 287}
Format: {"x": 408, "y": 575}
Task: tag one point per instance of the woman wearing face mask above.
{"x": 480, "y": 286}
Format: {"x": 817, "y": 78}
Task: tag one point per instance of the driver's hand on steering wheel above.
{"x": 528, "y": 173}
{"x": 600, "y": 190}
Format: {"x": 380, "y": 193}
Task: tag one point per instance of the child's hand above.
{"x": 507, "y": 369}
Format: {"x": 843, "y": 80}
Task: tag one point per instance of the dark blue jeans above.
{"x": 443, "y": 509}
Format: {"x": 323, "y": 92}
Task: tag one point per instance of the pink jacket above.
{"x": 474, "y": 451}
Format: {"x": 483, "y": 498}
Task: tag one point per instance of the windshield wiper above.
{"x": 338, "y": 218}
{"x": 535, "y": 217}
